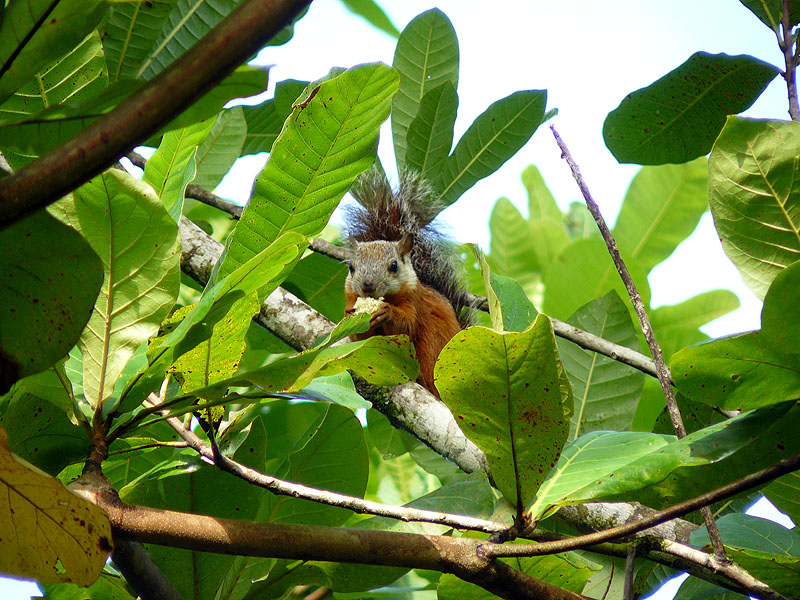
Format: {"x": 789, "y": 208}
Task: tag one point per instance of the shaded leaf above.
{"x": 49, "y": 280}
{"x": 770, "y": 12}
{"x": 34, "y": 33}
{"x": 265, "y": 120}
{"x": 319, "y": 282}
{"x": 606, "y": 392}
{"x": 129, "y": 35}
{"x": 48, "y": 533}
{"x": 678, "y": 117}
{"x": 504, "y": 391}
{"x": 426, "y": 56}
{"x": 754, "y": 193}
{"x": 493, "y": 138}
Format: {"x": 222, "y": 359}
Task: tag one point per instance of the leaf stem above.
{"x": 788, "y": 45}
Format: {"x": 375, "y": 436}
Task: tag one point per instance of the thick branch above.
{"x": 141, "y": 572}
{"x": 229, "y": 44}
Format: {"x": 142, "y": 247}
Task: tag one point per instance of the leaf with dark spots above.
{"x": 484, "y": 377}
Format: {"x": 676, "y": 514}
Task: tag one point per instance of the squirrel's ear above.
{"x": 405, "y": 244}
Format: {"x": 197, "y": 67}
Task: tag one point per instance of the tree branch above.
{"x": 295, "y": 490}
{"x": 788, "y": 45}
{"x": 655, "y": 350}
{"x": 229, "y": 44}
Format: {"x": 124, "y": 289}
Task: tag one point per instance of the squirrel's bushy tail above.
{"x": 386, "y": 214}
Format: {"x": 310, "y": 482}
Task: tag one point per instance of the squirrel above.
{"x": 398, "y": 256}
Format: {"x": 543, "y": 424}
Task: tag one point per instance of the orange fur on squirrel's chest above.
{"x": 425, "y": 316}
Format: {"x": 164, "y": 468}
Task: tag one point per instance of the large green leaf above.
{"x": 430, "y": 135}
{"x": 318, "y": 281}
{"x": 265, "y": 120}
{"x": 138, "y": 242}
{"x": 49, "y": 280}
{"x": 330, "y": 138}
{"x": 784, "y": 493}
{"x": 39, "y": 133}
{"x": 770, "y": 12}
{"x": 754, "y": 369}
{"x": 584, "y": 271}
{"x": 754, "y": 192}
{"x": 172, "y": 166}
{"x": 426, "y": 57}
{"x": 605, "y": 391}
{"x": 78, "y": 75}
{"x": 129, "y": 34}
{"x": 662, "y": 207}
{"x": 34, "y": 33}
{"x": 221, "y": 148}
{"x": 678, "y": 117}
{"x": 609, "y": 464}
{"x": 493, "y": 138}
{"x": 510, "y": 396}
{"x": 373, "y": 14}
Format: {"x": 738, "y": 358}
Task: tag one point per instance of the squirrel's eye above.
{"x": 352, "y": 269}
{"x": 393, "y": 267}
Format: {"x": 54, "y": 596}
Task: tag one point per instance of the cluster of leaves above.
{"x": 96, "y": 318}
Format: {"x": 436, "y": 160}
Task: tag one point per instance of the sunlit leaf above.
{"x": 754, "y": 192}
{"x": 678, "y": 117}
{"x": 221, "y": 148}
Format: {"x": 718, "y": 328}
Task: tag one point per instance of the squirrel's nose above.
{"x": 368, "y": 287}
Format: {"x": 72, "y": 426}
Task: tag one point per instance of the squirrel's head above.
{"x": 381, "y": 268}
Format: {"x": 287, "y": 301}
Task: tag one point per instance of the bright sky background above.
{"x": 588, "y": 55}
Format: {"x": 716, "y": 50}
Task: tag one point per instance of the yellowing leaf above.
{"x": 46, "y": 532}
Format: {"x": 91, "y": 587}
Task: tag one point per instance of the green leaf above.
{"x": 171, "y": 167}
{"x": 339, "y": 389}
{"x": 319, "y": 282}
{"x": 549, "y": 238}
{"x": 511, "y": 249}
{"x": 185, "y": 25}
{"x": 678, "y": 117}
{"x": 34, "y": 33}
{"x": 518, "y": 311}
{"x": 221, "y": 148}
{"x": 138, "y": 242}
{"x": 426, "y": 57}
{"x": 754, "y": 192}
{"x": 771, "y": 12}
{"x": 78, "y": 75}
{"x": 662, "y": 207}
{"x": 430, "y": 135}
{"x": 49, "y": 280}
{"x": 329, "y": 139}
{"x": 265, "y": 120}
{"x": 541, "y": 204}
{"x": 39, "y": 133}
{"x": 584, "y": 271}
{"x": 107, "y": 587}
{"x": 318, "y": 460}
{"x": 784, "y": 493}
{"x": 750, "y": 370}
{"x": 371, "y": 12}
{"x": 38, "y": 428}
{"x": 506, "y": 390}
{"x": 129, "y": 35}
{"x": 605, "y": 391}
{"x": 493, "y": 138}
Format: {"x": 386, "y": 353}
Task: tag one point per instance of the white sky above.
{"x": 588, "y": 55}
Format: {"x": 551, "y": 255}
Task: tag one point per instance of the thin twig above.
{"x": 655, "y": 350}
{"x": 789, "y": 48}
{"x": 630, "y": 569}
{"x": 358, "y": 505}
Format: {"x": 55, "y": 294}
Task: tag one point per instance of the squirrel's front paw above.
{"x": 380, "y": 316}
